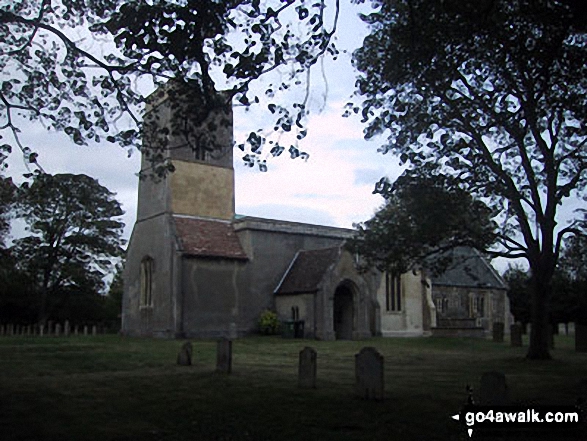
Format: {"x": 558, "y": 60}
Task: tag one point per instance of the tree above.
{"x": 518, "y": 292}
{"x": 85, "y": 86}
{"x": 421, "y": 219}
{"x": 493, "y": 94}
{"x": 75, "y": 237}
{"x": 7, "y": 190}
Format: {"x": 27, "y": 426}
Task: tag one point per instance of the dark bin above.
{"x": 288, "y": 329}
{"x": 299, "y": 329}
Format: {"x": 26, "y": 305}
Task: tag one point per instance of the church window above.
{"x": 147, "y": 282}
{"x": 295, "y": 313}
{"x": 477, "y": 306}
{"x": 481, "y": 306}
{"x": 393, "y": 293}
{"x": 200, "y": 153}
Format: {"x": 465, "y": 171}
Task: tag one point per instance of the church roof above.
{"x": 469, "y": 269}
{"x": 208, "y": 238}
{"x": 307, "y": 270}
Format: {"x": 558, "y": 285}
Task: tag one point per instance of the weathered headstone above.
{"x": 184, "y": 358}
{"x": 493, "y": 389}
{"x": 516, "y": 334}
{"x": 571, "y": 328}
{"x": 498, "y": 332}
{"x": 307, "y": 368}
{"x": 224, "y": 356}
{"x": 369, "y": 374}
{"x": 85, "y": 329}
{"x": 57, "y": 330}
{"x": 41, "y": 330}
{"x": 94, "y": 330}
{"x": 580, "y": 338}
{"x": 76, "y": 330}
{"x": 66, "y": 328}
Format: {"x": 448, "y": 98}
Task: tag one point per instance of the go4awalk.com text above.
{"x": 564, "y": 420}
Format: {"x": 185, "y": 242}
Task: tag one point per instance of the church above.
{"x": 196, "y": 269}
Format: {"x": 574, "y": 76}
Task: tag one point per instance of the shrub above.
{"x": 268, "y": 322}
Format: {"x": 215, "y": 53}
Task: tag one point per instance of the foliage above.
{"x": 518, "y": 293}
{"x": 87, "y": 87}
{"x": 493, "y": 94}
{"x": 7, "y": 190}
{"x": 268, "y": 322}
{"x": 573, "y": 264}
{"x": 423, "y": 216}
{"x": 74, "y": 240}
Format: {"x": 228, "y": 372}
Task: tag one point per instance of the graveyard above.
{"x": 107, "y": 387}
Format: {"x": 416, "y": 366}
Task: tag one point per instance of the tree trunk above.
{"x": 539, "y": 335}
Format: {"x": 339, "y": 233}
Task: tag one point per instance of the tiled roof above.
{"x": 206, "y": 237}
{"x": 469, "y": 269}
{"x": 307, "y": 270}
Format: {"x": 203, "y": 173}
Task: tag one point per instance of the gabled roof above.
{"x": 208, "y": 238}
{"x": 307, "y": 270}
{"x": 469, "y": 269}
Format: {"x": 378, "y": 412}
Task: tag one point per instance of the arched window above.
{"x": 393, "y": 292}
{"x": 147, "y": 282}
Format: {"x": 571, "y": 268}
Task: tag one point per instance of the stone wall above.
{"x": 151, "y": 238}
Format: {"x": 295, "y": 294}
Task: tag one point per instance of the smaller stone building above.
{"x": 469, "y": 295}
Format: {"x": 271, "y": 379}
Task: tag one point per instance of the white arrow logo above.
{"x": 457, "y": 417}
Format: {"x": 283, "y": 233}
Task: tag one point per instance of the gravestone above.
{"x": 224, "y": 356}
{"x": 516, "y": 335}
{"x": 580, "y": 338}
{"x": 493, "y": 389}
{"x": 41, "y": 330}
{"x": 571, "y": 328}
{"x": 369, "y": 374}
{"x": 85, "y": 329}
{"x": 94, "y": 330}
{"x": 57, "y": 330}
{"x": 184, "y": 358}
{"x": 307, "y": 368}
{"x": 66, "y": 328}
{"x": 498, "y": 332}
{"x": 76, "y": 330}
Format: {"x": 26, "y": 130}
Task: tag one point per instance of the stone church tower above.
{"x": 202, "y": 183}
{"x": 199, "y": 193}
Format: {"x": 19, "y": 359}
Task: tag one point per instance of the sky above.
{"x": 332, "y": 187}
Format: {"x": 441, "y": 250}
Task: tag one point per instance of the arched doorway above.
{"x": 343, "y": 312}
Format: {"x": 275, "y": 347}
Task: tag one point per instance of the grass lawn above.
{"x": 115, "y": 388}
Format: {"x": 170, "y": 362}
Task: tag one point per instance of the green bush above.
{"x": 268, "y": 322}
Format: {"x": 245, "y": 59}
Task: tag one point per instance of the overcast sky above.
{"x": 333, "y": 187}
